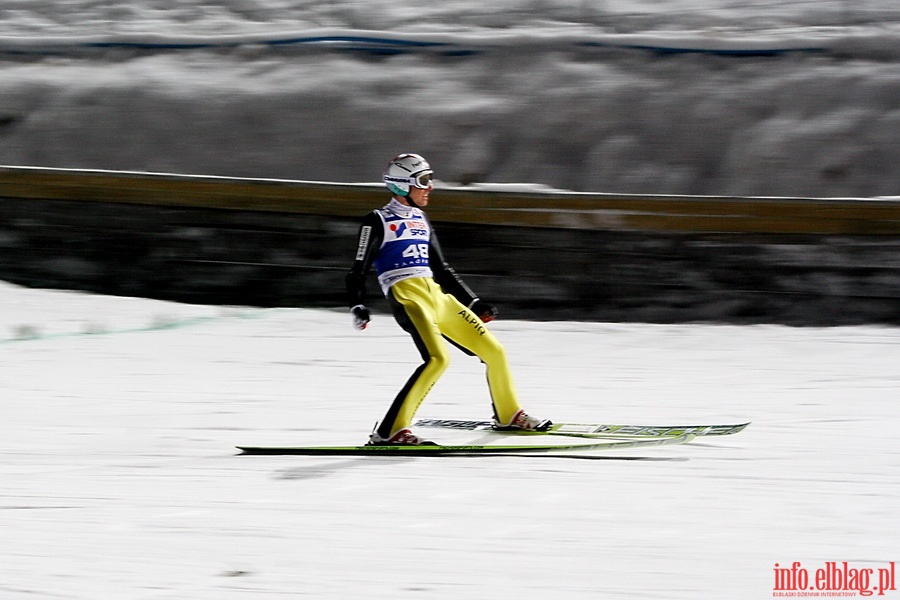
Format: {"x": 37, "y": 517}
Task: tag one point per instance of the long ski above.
{"x": 595, "y": 430}
{"x": 513, "y": 449}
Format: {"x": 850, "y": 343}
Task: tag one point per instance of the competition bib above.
{"x": 404, "y": 251}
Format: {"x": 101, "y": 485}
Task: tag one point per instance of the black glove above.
{"x": 361, "y": 316}
{"x": 486, "y": 312}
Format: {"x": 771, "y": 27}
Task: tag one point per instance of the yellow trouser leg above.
{"x": 468, "y": 331}
{"x": 417, "y": 301}
{"x": 433, "y": 315}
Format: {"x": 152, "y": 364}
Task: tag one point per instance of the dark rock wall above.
{"x": 203, "y": 255}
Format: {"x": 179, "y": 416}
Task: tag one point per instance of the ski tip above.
{"x": 592, "y": 430}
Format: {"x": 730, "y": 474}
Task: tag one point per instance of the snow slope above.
{"x": 119, "y": 477}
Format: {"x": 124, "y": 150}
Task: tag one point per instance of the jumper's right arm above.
{"x": 371, "y": 235}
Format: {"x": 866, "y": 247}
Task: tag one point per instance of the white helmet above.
{"x": 407, "y": 170}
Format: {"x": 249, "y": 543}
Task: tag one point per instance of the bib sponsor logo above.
{"x": 410, "y": 228}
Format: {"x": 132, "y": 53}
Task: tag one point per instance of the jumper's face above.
{"x": 420, "y": 195}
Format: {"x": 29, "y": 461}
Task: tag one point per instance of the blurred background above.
{"x": 781, "y": 98}
{"x": 766, "y": 97}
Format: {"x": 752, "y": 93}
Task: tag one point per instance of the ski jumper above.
{"x": 431, "y": 303}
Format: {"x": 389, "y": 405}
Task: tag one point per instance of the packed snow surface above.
{"x": 773, "y": 97}
{"x": 120, "y": 478}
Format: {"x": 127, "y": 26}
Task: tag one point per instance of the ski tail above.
{"x": 500, "y": 449}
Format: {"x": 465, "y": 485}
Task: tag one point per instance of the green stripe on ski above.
{"x": 457, "y": 450}
{"x": 596, "y": 430}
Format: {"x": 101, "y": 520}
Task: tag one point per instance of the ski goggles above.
{"x": 421, "y": 180}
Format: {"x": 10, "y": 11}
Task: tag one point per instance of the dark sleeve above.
{"x": 371, "y": 234}
{"x": 445, "y": 276}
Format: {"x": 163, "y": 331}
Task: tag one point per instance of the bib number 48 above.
{"x": 416, "y": 251}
